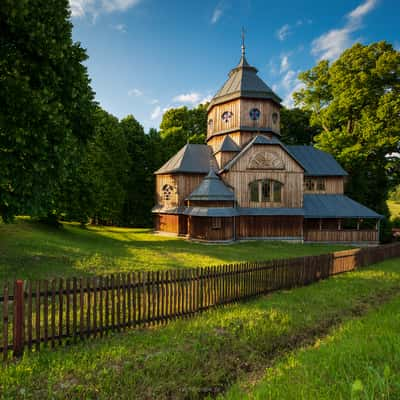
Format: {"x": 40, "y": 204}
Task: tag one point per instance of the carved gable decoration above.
{"x": 266, "y": 160}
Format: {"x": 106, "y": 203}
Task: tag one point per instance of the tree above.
{"x": 46, "y": 103}
{"x": 183, "y": 125}
{"x": 295, "y": 126}
{"x": 356, "y": 102}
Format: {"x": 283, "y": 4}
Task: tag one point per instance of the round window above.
{"x": 226, "y": 116}
{"x": 254, "y": 114}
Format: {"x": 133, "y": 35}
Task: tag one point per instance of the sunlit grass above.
{"x": 193, "y": 358}
{"x": 358, "y": 360}
{"x": 31, "y": 250}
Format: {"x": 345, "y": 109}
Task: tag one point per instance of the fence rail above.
{"x": 34, "y": 314}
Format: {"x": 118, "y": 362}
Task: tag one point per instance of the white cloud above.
{"x": 332, "y": 43}
{"x": 120, "y": 28}
{"x": 156, "y": 113}
{"x": 288, "y": 101}
{"x": 154, "y": 101}
{"x": 206, "y": 99}
{"x": 217, "y": 14}
{"x": 283, "y": 32}
{"x": 284, "y": 63}
{"x": 192, "y": 98}
{"x": 289, "y": 79}
{"x": 80, "y": 8}
{"x": 135, "y": 92}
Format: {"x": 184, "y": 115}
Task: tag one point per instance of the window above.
{"x": 314, "y": 184}
{"x": 320, "y": 184}
{"x": 226, "y": 116}
{"x": 210, "y": 124}
{"x": 254, "y": 191}
{"x": 275, "y": 117}
{"x": 309, "y": 184}
{"x": 216, "y": 223}
{"x": 254, "y": 114}
{"x": 266, "y": 190}
{"x": 167, "y": 191}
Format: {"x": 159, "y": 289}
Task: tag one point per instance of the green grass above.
{"x": 359, "y": 360}
{"x": 205, "y": 355}
{"x": 31, "y": 250}
{"x": 394, "y": 208}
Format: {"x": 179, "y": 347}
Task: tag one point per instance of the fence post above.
{"x": 18, "y": 319}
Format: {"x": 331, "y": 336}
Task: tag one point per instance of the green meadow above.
{"x": 29, "y": 250}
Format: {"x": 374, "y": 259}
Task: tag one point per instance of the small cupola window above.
{"x": 167, "y": 191}
{"x": 254, "y": 114}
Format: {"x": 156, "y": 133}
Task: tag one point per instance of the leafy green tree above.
{"x": 183, "y": 125}
{"x": 295, "y": 126}
{"x": 356, "y": 102}
{"x": 46, "y": 103}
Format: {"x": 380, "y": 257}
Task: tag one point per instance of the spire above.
{"x": 243, "y": 46}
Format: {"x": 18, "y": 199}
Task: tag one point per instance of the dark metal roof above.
{"x": 261, "y": 140}
{"x": 271, "y": 211}
{"x": 228, "y": 145}
{"x": 211, "y": 211}
{"x": 212, "y": 188}
{"x": 335, "y": 206}
{"x": 316, "y": 162}
{"x": 168, "y": 210}
{"x": 191, "y": 158}
{"x": 243, "y": 81}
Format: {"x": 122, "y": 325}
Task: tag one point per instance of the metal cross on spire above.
{"x": 243, "y": 46}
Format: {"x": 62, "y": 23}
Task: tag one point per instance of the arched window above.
{"x": 266, "y": 190}
{"x": 167, "y": 191}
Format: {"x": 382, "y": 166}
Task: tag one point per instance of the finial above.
{"x": 243, "y": 46}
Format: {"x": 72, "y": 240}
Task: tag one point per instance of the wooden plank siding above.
{"x": 351, "y": 236}
{"x": 183, "y": 185}
{"x": 201, "y": 228}
{"x": 239, "y": 177}
{"x": 333, "y": 185}
{"x": 259, "y": 226}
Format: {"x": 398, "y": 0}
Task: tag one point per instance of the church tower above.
{"x": 243, "y": 108}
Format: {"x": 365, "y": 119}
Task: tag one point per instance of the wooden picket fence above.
{"x": 36, "y": 314}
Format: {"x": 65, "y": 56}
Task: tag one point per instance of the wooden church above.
{"x": 244, "y": 183}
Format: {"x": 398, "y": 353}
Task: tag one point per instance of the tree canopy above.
{"x": 355, "y": 101}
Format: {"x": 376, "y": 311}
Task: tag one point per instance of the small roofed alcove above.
{"x": 211, "y": 210}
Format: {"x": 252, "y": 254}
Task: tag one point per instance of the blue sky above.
{"x": 146, "y": 56}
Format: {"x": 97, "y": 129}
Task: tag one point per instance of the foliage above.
{"x": 183, "y": 125}
{"x": 356, "y": 102}
{"x": 45, "y": 103}
{"x": 296, "y": 128}
{"x": 203, "y": 356}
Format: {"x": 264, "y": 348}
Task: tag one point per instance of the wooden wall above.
{"x": 239, "y": 177}
{"x": 201, "y": 203}
{"x": 171, "y": 223}
{"x": 184, "y": 184}
{"x": 201, "y": 228}
{"x": 268, "y": 226}
{"x": 352, "y": 236}
{"x": 333, "y": 185}
{"x": 240, "y": 108}
{"x": 266, "y": 107}
{"x": 216, "y": 115}
{"x": 224, "y": 157}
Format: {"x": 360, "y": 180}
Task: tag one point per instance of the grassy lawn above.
{"x": 31, "y": 250}
{"x": 394, "y": 208}
{"x": 359, "y": 360}
{"x": 206, "y": 355}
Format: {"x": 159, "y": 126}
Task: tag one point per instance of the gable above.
{"x": 263, "y": 157}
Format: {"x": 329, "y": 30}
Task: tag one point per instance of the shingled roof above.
{"x": 243, "y": 81}
{"x": 212, "y": 188}
{"x": 335, "y": 206}
{"x": 228, "y": 145}
{"x": 191, "y": 158}
{"x": 316, "y": 162}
